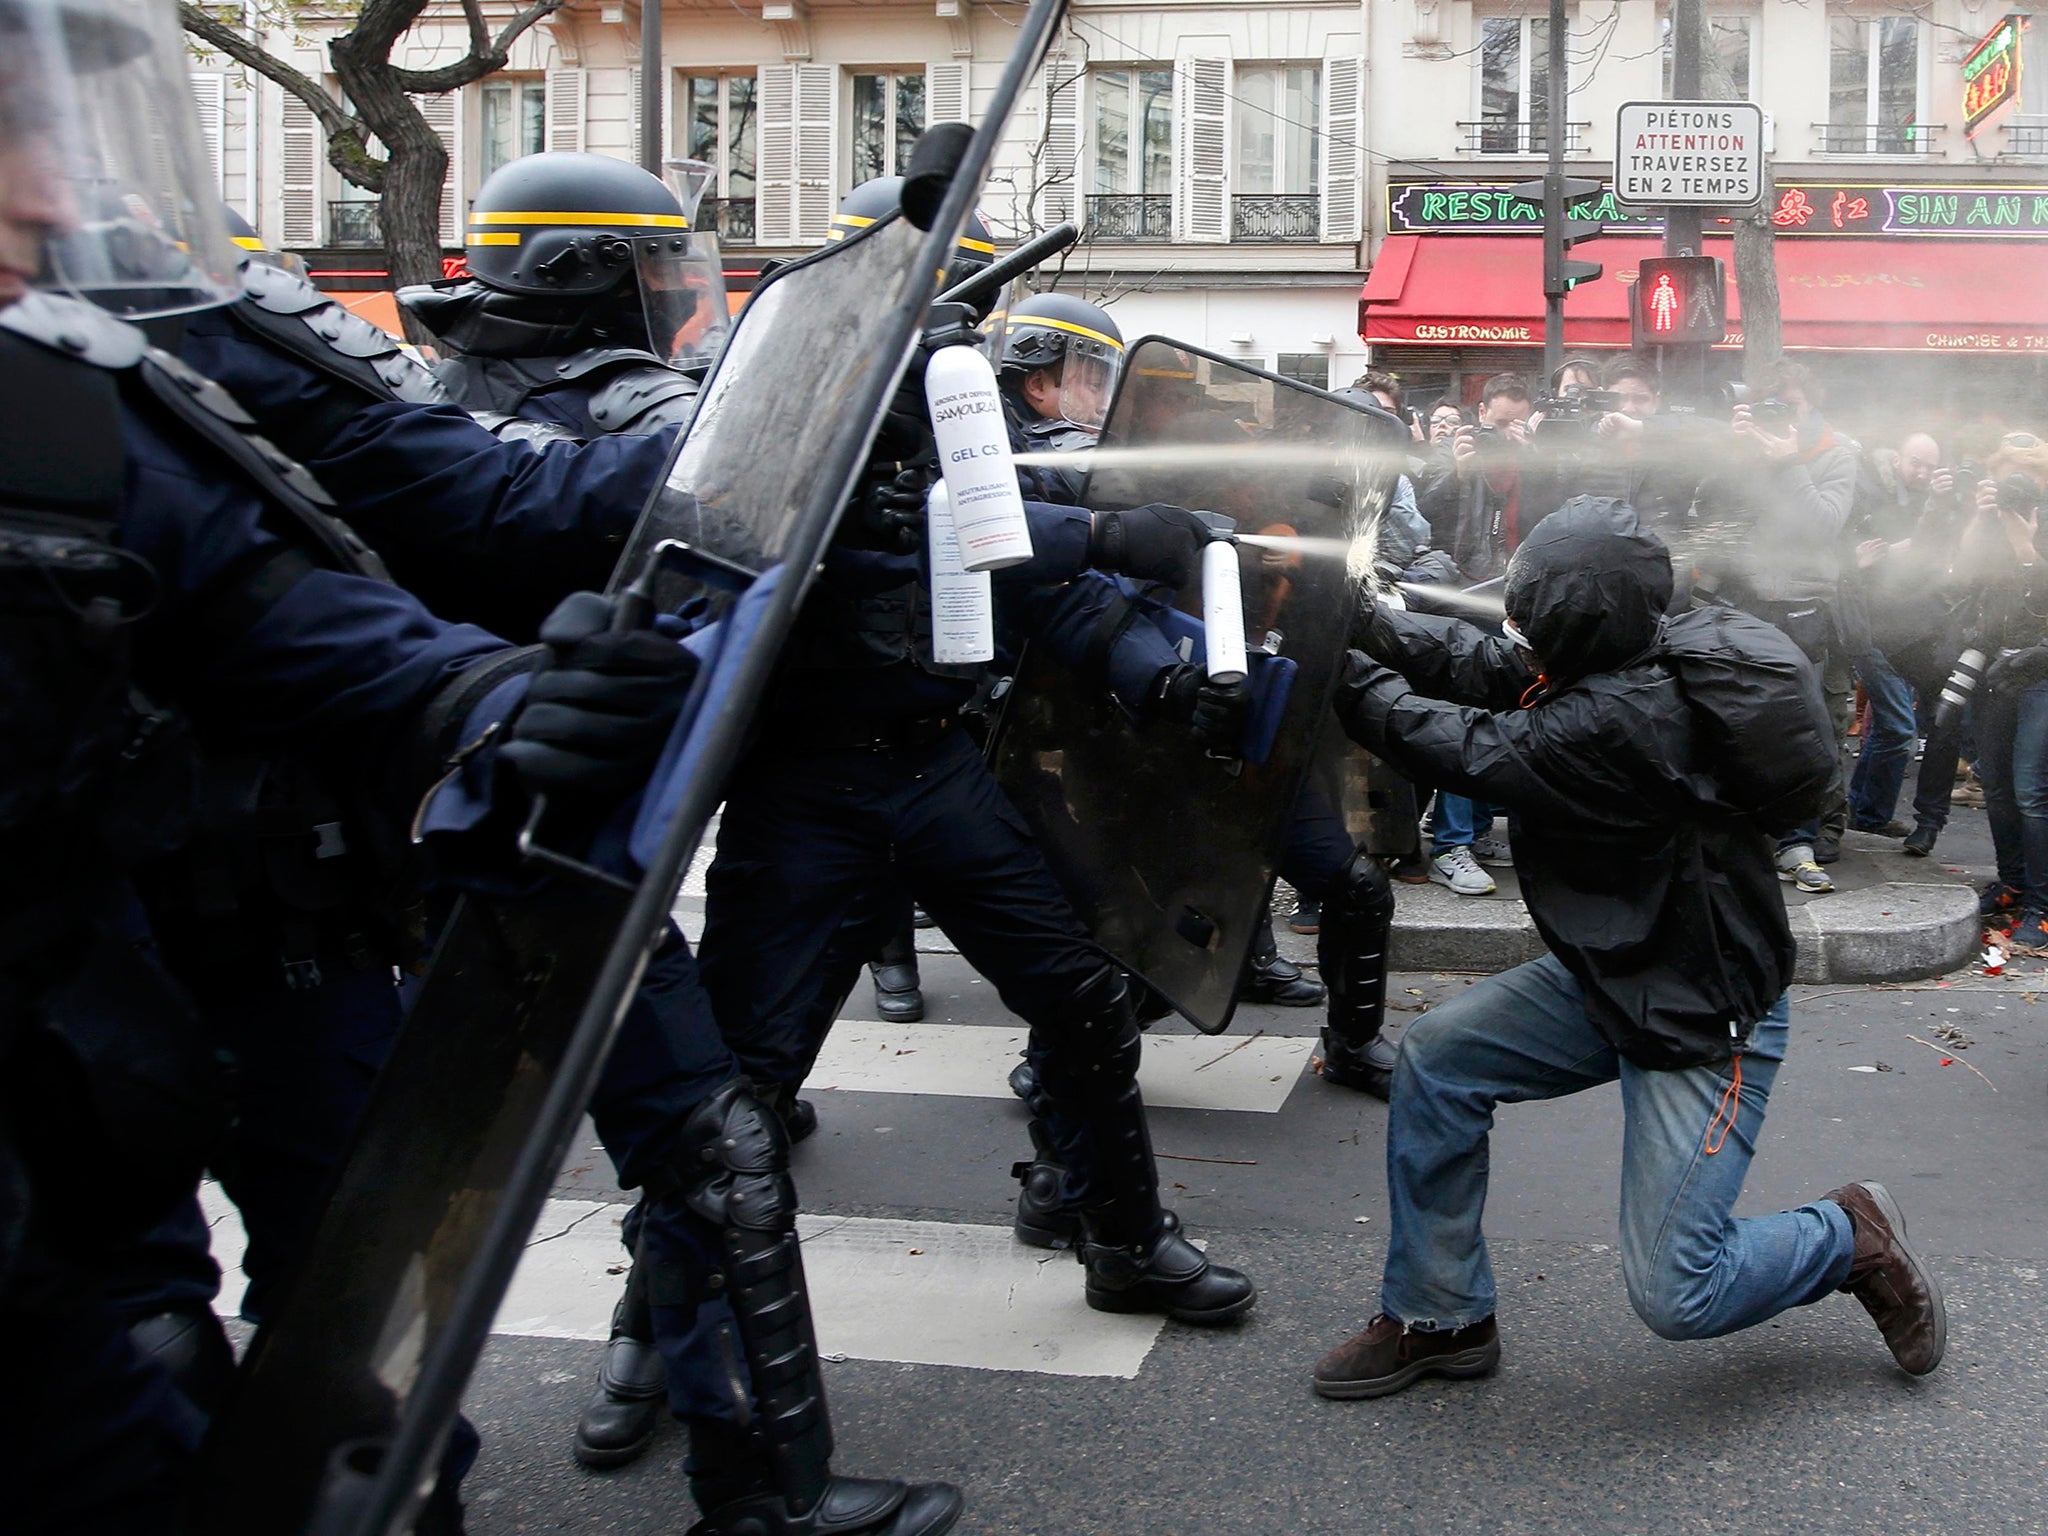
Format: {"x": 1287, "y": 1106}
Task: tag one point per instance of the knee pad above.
{"x": 731, "y": 1163}
{"x": 1363, "y": 891}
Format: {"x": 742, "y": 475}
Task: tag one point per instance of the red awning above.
{"x": 1872, "y": 295}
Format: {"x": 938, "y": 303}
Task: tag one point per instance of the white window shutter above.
{"x": 775, "y": 187}
{"x": 1202, "y": 113}
{"x": 633, "y": 107}
{"x": 444, "y": 115}
{"x": 1343, "y": 186}
{"x": 945, "y": 93}
{"x": 1059, "y": 167}
{"x": 565, "y": 109}
{"x": 210, "y": 96}
{"x": 817, "y": 111}
{"x": 299, "y": 174}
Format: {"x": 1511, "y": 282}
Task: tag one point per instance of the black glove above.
{"x": 894, "y": 511}
{"x": 1153, "y": 543}
{"x": 597, "y": 714}
{"x": 1215, "y": 712}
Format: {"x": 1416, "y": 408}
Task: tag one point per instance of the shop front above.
{"x": 1900, "y": 297}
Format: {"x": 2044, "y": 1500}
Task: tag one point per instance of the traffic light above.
{"x": 1561, "y": 231}
{"x": 1679, "y": 301}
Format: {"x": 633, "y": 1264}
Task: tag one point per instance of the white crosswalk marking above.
{"x": 974, "y": 1061}
{"x": 915, "y": 1292}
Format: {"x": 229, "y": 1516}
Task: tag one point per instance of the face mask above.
{"x": 1515, "y": 635}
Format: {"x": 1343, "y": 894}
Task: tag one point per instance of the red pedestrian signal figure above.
{"x": 1679, "y": 301}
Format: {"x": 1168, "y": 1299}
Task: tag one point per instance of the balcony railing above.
{"x": 1876, "y": 139}
{"x": 1130, "y": 216}
{"x": 729, "y": 218}
{"x": 1285, "y": 216}
{"x": 1519, "y": 136}
{"x": 355, "y": 225}
{"x": 2026, "y": 141}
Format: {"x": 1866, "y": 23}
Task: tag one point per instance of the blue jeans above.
{"x": 1881, "y": 765}
{"x": 2012, "y": 763}
{"x": 1460, "y": 822}
{"x": 1693, "y": 1270}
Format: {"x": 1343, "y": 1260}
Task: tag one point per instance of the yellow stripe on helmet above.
{"x": 495, "y": 237}
{"x": 652, "y": 220}
{"x": 247, "y": 242}
{"x": 1018, "y": 322}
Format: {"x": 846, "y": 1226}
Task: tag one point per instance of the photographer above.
{"x": 1404, "y": 533}
{"x": 1608, "y": 442}
{"x": 2010, "y": 710}
{"x": 1791, "y": 504}
{"x": 1473, "y": 497}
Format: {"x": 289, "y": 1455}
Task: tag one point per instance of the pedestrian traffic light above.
{"x": 1679, "y": 301}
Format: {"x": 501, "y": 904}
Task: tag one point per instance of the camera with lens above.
{"x": 1576, "y": 413}
{"x": 2019, "y": 495}
{"x": 1768, "y": 412}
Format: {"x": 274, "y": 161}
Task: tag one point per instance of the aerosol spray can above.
{"x": 963, "y": 607}
{"x": 974, "y": 455}
{"x": 1223, "y": 612}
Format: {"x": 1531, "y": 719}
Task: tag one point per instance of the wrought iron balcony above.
{"x": 1877, "y": 139}
{"x": 1285, "y": 216}
{"x": 729, "y": 218}
{"x": 2026, "y": 141}
{"x": 355, "y": 225}
{"x": 1519, "y": 136}
{"x": 1130, "y": 216}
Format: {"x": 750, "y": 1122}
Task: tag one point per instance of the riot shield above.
{"x": 347, "y": 1399}
{"x": 1169, "y": 851}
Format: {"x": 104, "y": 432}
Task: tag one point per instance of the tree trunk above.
{"x": 411, "y": 206}
{"x": 1756, "y": 256}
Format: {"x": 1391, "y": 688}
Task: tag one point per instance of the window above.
{"x": 716, "y": 120}
{"x": 1310, "y": 368}
{"x": 888, "y": 115}
{"x": 1734, "y": 39}
{"x": 514, "y": 122}
{"x": 1133, "y": 132}
{"x": 1279, "y": 110}
{"x": 1874, "y": 86}
{"x": 1514, "y": 85}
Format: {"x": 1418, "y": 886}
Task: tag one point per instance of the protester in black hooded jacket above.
{"x": 1670, "y": 954}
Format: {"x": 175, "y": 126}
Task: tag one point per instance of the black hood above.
{"x": 1589, "y": 587}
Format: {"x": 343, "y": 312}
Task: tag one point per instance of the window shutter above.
{"x": 1059, "y": 167}
{"x": 210, "y": 96}
{"x": 945, "y": 93}
{"x": 633, "y": 107}
{"x": 775, "y": 187}
{"x": 1343, "y": 148}
{"x": 444, "y": 115}
{"x": 817, "y": 110}
{"x": 565, "y": 109}
{"x": 1202, "y": 114}
{"x": 299, "y": 174}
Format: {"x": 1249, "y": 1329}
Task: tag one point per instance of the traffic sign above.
{"x": 1679, "y": 301}
{"x": 1689, "y": 154}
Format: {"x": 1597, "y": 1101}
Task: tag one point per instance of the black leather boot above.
{"x": 620, "y": 1420}
{"x": 1159, "y": 1272}
{"x": 898, "y": 995}
{"x": 736, "y": 1485}
{"x": 1274, "y": 980}
{"x": 1368, "y": 1067}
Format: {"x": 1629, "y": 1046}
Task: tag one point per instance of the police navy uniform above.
{"x": 586, "y": 394}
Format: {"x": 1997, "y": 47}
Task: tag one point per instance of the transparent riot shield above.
{"x": 1168, "y": 850}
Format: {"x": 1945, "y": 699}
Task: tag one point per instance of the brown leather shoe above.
{"x": 1895, "y": 1288}
{"x": 1389, "y": 1355}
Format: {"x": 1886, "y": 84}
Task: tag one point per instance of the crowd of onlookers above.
{"x": 1888, "y": 565}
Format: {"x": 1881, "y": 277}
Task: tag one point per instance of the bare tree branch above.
{"x": 539, "y": 11}
{"x": 222, "y": 38}
{"x": 487, "y": 60}
{"x": 479, "y": 34}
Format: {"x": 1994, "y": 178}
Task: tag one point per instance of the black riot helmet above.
{"x": 566, "y": 226}
{"x": 1071, "y": 337}
{"x": 245, "y": 239}
{"x": 873, "y": 201}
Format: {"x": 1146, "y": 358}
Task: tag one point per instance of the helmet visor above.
{"x": 1087, "y": 381}
{"x": 682, "y": 286}
{"x": 100, "y": 138}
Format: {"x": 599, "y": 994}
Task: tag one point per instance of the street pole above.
{"x": 1553, "y": 193}
{"x": 650, "y": 86}
{"x": 1684, "y": 368}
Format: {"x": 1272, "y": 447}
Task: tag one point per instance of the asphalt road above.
{"x": 1593, "y": 1424}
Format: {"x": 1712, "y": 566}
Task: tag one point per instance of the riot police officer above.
{"x": 590, "y": 307}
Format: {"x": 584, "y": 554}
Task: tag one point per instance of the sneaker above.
{"x": 1892, "y": 828}
{"x": 1390, "y": 1355}
{"x": 1492, "y": 850}
{"x": 1461, "y": 872}
{"x": 1308, "y": 916}
{"x": 1997, "y": 898}
{"x": 1896, "y": 1289}
{"x": 2030, "y": 937}
{"x": 1920, "y": 841}
{"x": 1805, "y": 875}
{"x": 1968, "y": 791}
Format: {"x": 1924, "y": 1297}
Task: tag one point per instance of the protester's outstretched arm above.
{"x": 1443, "y": 657}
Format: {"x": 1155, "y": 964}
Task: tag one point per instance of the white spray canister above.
{"x": 963, "y": 605}
{"x": 974, "y": 455}
{"x": 1223, "y": 613}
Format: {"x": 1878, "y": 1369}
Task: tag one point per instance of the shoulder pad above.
{"x": 517, "y": 429}
{"x": 77, "y": 329}
{"x": 582, "y": 365}
{"x": 1059, "y": 436}
{"x": 209, "y": 396}
{"x": 279, "y": 291}
{"x": 335, "y": 339}
{"x": 643, "y": 400}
